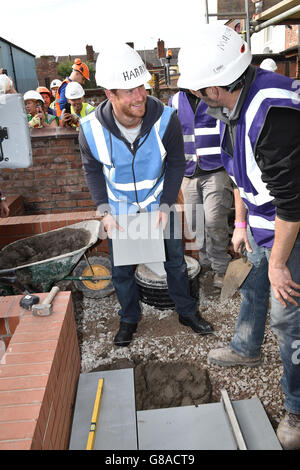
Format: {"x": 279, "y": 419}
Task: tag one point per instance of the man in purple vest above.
{"x": 206, "y": 186}
{"x": 259, "y": 112}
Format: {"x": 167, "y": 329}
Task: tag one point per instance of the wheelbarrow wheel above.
{"x": 101, "y": 266}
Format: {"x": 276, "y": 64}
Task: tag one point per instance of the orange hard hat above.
{"x": 82, "y": 68}
{"x": 43, "y": 89}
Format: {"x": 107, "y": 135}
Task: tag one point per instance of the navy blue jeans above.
{"x": 285, "y": 322}
{"x": 177, "y": 278}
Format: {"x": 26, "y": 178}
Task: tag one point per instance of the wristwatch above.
{"x": 2, "y": 198}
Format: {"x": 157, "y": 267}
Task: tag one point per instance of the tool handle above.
{"x": 51, "y": 295}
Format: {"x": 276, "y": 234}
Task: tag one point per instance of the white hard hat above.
{"x": 216, "y": 56}
{"x": 55, "y": 83}
{"x": 5, "y": 83}
{"x": 268, "y": 64}
{"x": 120, "y": 67}
{"x": 33, "y": 95}
{"x": 148, "y": 86}
{"x": 74, "y": 90}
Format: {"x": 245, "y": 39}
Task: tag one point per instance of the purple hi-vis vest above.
{"x": 201, "y": 135}
{"x": 269, "y": 89}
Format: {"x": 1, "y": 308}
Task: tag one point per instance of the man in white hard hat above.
{"x": 36, "y": 113}
{"x": 133, "y": 158}
{"x": 78, "y": 108}
{"x": 269, "y": 64}
{"x": 260, "y": 149}
{"x": 54, "y": 86}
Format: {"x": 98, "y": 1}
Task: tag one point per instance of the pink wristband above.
{"x": 240, "y": 224}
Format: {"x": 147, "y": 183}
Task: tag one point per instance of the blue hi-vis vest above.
{"x": 134, "y": 181}
{"x": 201, "y": 135}
{"x": 267, "y": 90}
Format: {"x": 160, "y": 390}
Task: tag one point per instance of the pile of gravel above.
{"x": 161, "y": 338}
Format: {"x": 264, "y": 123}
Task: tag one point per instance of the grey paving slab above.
{"x": 117, "y": 417}
{"x": 140, "y": 242}
{"x": 254, "y": 423}
{"x": 187, "y": 427}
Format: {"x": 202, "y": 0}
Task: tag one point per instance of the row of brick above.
{"x": 15, "y": 228}
{"x": 55, "y": 182}
{"x": 38, "y": 379}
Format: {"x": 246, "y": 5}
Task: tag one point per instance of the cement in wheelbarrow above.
{"x": 40, "y": 275}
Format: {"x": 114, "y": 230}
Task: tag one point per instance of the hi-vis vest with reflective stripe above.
{"x": 268, "y": 89}
{"x": 57, "y": 98}
{"x": 134, "y": 181}
{"x": 85, "y": 110}
{"x": 201, "y": 135}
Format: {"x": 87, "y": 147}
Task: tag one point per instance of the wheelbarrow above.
{"x": 91, "y": 275}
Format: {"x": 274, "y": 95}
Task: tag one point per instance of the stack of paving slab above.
{"x": 121, "y": 427}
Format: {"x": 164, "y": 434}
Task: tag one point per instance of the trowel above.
{"x": 237, "y": 271}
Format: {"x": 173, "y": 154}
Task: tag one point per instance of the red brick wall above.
{"x": 16, "y": 228}
{"x": 46, "y": 70}
{"x": 55, "y": 183}
{"x": 38, "y": 379}
{"x": 291, "y": 36}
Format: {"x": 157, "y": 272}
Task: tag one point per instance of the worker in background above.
{"x": 36, "y": 113}
{"x": 206, "y": 187}
{"x": 269, "y": 64}
{"x": 148, "y": 89}
{"x": 131, "y": 126}
{"x": 80, "y": 73}
{"x": 46, "y": 94}
{"x": 54, "y": 86}
{"x": 259, "y": 113}
{"x": 78, "y": 108}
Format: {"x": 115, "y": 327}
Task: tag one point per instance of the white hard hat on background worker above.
{"x": 33, "y": 95}
{"x": 74, "y": 91}
{"x": 268, "y": 64}
{"x": 55, "y": 83}
{"x": 216, "y": 56}
{"x": 120, "y": 67}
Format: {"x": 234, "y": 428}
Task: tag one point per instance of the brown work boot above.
{"x": 288, "y": 431}
{"x": 226, "y": 357}
{"x": 218, "y": 280}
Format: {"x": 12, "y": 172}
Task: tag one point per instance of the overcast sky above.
{"x": 63, "y": 27}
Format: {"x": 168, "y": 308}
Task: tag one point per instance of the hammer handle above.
{"x": 51, "y": 295}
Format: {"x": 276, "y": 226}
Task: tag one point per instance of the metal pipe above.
{"x": 247, "y": 24}
{"x": 206, "y": 11}
{"x": 13, "y": 67}
{"x": 277, "y": 19}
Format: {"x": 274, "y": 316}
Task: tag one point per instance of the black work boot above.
{"x": 124, "y": 335}
{"x": 197, "y": 323}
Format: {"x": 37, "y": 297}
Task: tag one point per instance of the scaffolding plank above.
{"x": 117, "y": 417}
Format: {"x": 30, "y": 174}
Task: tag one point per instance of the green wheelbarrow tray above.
{"x": 41, "y": 275}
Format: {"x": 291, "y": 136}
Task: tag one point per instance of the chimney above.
{"x": 161, "y": 53}
{"x": 89, "y": 53}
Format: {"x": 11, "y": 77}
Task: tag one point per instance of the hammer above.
{"x": 45, "y": 308}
